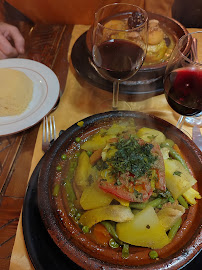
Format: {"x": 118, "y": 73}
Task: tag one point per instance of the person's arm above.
{"x": 11, "y": 41}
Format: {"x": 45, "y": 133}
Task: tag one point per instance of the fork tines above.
{"x": 49, "y": 132}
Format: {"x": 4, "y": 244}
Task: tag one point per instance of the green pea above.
{"x": 73, "y": 211}
{"x": 153, "y": 254}
{"x": 77, "y": 139}
{"x": 113, "y": 243}
{"x": 64, "y": 157}
{"x": 85, "y": 229}
{"x": 59, "y": 168}
{"x": 89, "y": 153}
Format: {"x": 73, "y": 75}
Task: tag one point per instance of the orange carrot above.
{"x": 101, "y": 234}
{"x": 177, "y": 149}
{"x": 95, "y": 156}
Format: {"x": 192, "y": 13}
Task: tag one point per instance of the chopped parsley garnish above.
{"x": 178, "y": 173}
{"x": 132, "y": 157}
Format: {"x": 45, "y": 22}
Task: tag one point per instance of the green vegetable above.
{"x": 77, "y": 139}
{"x": 113, "y": 243}
{"x": 132, "y": 157}
{"x": 153, "y": 254}
{"x": 176, "y": 156}
{"x": 177, "y": 173}
{"x": 167, "y": 143}
{"x": 125, "y": 251}
{"x": 69, "y": 191}
{"x": 89, "y": 153}
{"x": 56, "y": 190}
{"x": 59, "y": 168}
{"x": 154, "y": 203}
{"x": 85, "y": 229}
{"x": 174, "y": 229}
{"x": 64, "y": 157}
{"x": 110, "y": 228}
{"x": 183, "y": 202}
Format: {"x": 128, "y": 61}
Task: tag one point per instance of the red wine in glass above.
{"x": 183, "y": 90}
{"x": 118, "y": 58}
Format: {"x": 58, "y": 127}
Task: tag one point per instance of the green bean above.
{"x": 89, "y": 153}
{"x": 153, "y": 254}
{"x": 69, "y": 190}
{"x": 174, "y": 229}
{"x": 113, "y": 243}
{"x": 125, "y": 251}
{"x": 167, "y": 143}
{"x": 183, "y": 202}
{"x": 177, "y": 156}
{"x": 154, "y": 203}
{"x": 56, "y": 190}
{"x": 85, "y": 229}
{"x": 112, "y": 231}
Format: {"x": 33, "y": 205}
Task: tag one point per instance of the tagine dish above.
{"x": 125, "y": 188}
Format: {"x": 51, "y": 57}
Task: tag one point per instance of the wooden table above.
{"x": 47, "y": 44}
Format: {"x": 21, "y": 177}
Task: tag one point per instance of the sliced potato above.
{"x": 169, "y": 215}
{"x": 95, "y": 143}
{"x": 117, "y": 213}
{"x": 178, "y": 179}
{"x": 150, "y": 135}
{"x": 93, "y": 197}
{"x": 191, "y": 195}
{"x": 82, "y": 171}
{"x": 143, "y": 230}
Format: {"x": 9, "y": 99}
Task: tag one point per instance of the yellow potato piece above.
{"x": 143, "y": 230}
{"x": 190, "y": 195}
{"x": 169, "y": 215}
{"x": 117, "y": 213}
{"x": 93, "y": 197}
{"x": 95, "y": 143}
{"x": 149, "y": 135}
{"x": 177, "y": 184}
{"x": 82, "y": 171}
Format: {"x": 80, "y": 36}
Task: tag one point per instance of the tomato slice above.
{"x": 138, "y": 191}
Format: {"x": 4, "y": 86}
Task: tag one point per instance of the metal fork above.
{"x": 49, "y": 132}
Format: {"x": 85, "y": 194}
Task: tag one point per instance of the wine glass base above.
{"x": 106, "y": 106}
{"x": 194, "y": 120}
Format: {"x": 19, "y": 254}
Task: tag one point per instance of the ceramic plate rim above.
{"x": 43, "y": 79}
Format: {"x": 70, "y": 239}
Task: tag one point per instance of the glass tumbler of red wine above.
{"x": 119, "y": 43}
{"x": 183, "y": 78}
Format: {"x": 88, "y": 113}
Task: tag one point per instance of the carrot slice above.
{"x": 101, "y": 234}
{"x": 96, "y": 155}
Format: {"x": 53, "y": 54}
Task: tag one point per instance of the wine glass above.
{"x": 119, "y": 43}
{"x": 183, "y": 80}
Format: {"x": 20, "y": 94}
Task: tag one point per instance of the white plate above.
{"x": 45, "y": 94}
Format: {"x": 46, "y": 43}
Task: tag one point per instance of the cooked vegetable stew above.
{"x": 125, "y": 186}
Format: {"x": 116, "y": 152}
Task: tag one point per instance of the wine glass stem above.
{"x": 115, "y": 95}
{"x": 180, "y": 121}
